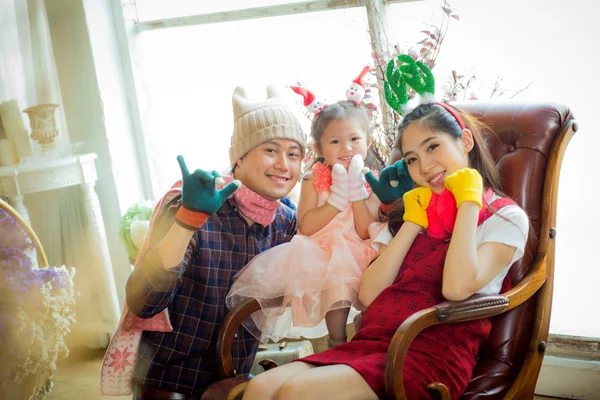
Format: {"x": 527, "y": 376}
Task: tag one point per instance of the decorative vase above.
{"x": 43, "y": 125}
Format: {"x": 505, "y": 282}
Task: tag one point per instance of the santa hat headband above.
{"x": 308, "y": 96}
{"x": 405, "y": 71}
{"x": 360, "y": 76}
{"x": 355, "y": 93}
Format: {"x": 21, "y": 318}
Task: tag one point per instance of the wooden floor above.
{"x": 78, "y": 377}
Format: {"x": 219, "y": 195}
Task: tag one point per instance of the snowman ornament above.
{"x": 311, "y": 102}
{"x": 356, "y": 91}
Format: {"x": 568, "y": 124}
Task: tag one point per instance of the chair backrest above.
{"x": 525, "y": 137}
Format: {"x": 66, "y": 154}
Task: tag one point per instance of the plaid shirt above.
{"x": 184, "y": 360}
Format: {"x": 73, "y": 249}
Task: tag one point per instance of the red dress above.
{"x": 444, "y": 353}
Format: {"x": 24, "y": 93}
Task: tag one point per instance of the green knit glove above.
{"x": 199, "y": 195}
{"x": 393, "y": 182}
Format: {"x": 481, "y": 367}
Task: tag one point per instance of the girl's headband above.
{"x": 355, "y": 93}
{"x": 454, "y": 114}
{"x": 404, "y": 72}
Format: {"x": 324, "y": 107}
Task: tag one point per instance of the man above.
{"x": 202, "y": 238}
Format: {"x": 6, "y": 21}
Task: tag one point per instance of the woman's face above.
{"x": 431, "y": 156}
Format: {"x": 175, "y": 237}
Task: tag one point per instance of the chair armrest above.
{"x": 227, "y": 333}
{"x": 475, "y": 307}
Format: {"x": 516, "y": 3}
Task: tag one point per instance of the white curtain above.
{"x": 15, "y": 53}
{"x": 66, "y": 232}
{"x": 28, "y": 74}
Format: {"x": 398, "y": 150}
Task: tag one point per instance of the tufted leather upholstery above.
{"x": 524, "y": 134}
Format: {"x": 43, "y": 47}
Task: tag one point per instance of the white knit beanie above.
{"x": 257, "y": 122}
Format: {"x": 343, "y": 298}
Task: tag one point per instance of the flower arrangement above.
{"x": 134, "y": 225}
{"x": 37, "y": 307}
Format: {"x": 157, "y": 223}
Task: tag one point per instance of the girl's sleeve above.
{"x": 509, "y": 226}
{"x": 383, "y": 237}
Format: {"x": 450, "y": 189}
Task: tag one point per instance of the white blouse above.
{"x": 509, "y": 226}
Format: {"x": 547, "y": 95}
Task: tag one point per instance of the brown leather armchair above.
{"x": 528, "y": 146}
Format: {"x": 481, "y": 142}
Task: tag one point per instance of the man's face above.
{"x": 271, "y": 169}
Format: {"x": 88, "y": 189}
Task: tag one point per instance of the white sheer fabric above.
{"x": 13, "y": 80}
{"x": 68, "y": 237}
{"x": 28, "y": 74}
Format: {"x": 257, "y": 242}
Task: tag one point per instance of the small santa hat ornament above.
{"x": 356, "y": 91}
{"x": 310, "y": 101}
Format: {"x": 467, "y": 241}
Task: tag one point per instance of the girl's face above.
{"x": 341, "y": 140}
{"x": 432, "y": 156}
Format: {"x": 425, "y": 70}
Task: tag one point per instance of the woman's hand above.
{"x": 415, "y": 206}
{"x": 466, "y": 185}
{"x": 393, "y": 182}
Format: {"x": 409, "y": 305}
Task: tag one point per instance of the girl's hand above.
{"x": 466, "y": 185}
{"x": 340, "y": 187}
{"x": 356, "y": 179}
{"x": 393, "y": 182}
{"x": 415, "y": 206}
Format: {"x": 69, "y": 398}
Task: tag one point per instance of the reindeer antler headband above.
{"x": 405, "y": 71}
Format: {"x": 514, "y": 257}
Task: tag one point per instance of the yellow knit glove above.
{"x": 415, "y": 206}
{"x": 466, "y": 185}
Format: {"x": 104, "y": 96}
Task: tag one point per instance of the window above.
{"x": 187, "y": 76}
{"x": 156, "y": 9}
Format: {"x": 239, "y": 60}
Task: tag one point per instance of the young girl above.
{"x": 435, "y": 254}
{"x": 317, "y": 275}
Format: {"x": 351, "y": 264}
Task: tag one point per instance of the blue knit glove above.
{"x": 199, "y": 196}
{"x": 393, "y": 182}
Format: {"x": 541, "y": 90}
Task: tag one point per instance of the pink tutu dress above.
{"x": 298, "y": 282}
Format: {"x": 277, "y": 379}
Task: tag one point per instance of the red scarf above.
{"x": 442, "y": 210}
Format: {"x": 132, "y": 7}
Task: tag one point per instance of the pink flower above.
{"x": 413, "y": 54}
